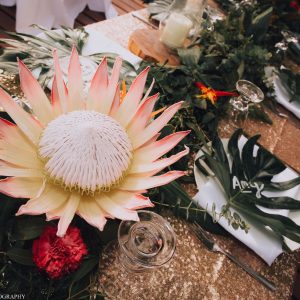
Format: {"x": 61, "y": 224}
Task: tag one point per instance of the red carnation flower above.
{"x": 295, "y": 5}
{"x": 59, "y": 255}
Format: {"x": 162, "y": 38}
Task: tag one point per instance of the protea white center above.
{"x": 86, "y": 150}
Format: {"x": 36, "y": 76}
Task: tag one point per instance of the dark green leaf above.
{"x": 219, "y": 152}
{"x": 282, "y": 186}
{"x": 21, "y": 256}
{"x": 221, "y": 172}
{"x": 86, "y": 267}
{"x": 267, "y": 165}
{"x": 28, "y": 227}
{"x": 273, "y": 202}
{"x": 248, "y": 159}
{"x": 233, "y": 150}
{"x": 258, "y": 113}
{"x": 189, "y": 56}
{"x": 277, "y": 223}
{"x": 260, "y": 24}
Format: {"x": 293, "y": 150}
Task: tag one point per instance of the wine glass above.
{"x": 249, "y": 95}
{"x": 147, "y": 244}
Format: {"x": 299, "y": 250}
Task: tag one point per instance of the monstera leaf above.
{"x": 291, "y": 82}
{"x": 246, "y": 178}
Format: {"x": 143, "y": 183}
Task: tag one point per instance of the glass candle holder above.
{"x": 249, "y": 94}
{"x": 147, "y": 244}
{"x": 183, "y": 23}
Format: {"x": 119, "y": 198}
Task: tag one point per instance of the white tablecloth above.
{"x": 54, "y": 13}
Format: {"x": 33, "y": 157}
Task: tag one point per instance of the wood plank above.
{"x": 95, "y": 15}
{"x": 139, "y": 4}
{"x": 84, "y": 19}
{"x": 77, "y": 24}
{"x": 7, "y": 23}
{"x": 128, "y": 6}
{"x": 119, "y": 10}
{"x": 10, "y": 11}
{"x": 145, "y": 43}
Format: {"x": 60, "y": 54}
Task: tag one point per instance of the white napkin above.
{"x": 282, "y": 96}
{"x": 259, "y": 239}
{"x": 98, "y": 42}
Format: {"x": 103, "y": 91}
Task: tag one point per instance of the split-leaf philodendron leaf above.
{"x": 247, "y": 177}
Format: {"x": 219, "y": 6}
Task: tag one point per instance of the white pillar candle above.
{"x": 176, "y": 30}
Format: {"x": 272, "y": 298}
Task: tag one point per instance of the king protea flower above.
{"x": 92, "y": 156}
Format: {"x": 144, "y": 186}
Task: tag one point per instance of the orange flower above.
{"x": 123, "y": 91}
{"x": 211, "y": 94}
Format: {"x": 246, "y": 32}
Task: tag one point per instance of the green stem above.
{"x": 180, "y": 207}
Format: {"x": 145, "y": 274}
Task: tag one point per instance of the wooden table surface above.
{"x": 196, "y": 273}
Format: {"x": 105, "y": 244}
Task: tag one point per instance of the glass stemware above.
{"x": 249, "y": 94}
{"x": 147, "y": 244}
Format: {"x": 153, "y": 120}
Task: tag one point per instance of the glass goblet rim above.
{"x": 239, "y": 84}
{"x": 141, "y": 262}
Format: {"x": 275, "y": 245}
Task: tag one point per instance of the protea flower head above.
{"x": 93, "y": 156}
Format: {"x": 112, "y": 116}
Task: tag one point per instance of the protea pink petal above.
{"x": 129, "y": 200}
{"x": 147, "y": 92}
{"x": 152, "y": 140}
{"x": 141, "y": 118}
{"x": 132, "y": 99}
{"x": 90, "y": 211}
{"x": 35, "y": 95}
{"x": 115, "y": 210}
{"x": 8, "y": 169}
{"x": 153, "y": 151}
{"x": 31, "y": 128}
{"x": 56, "y": 213}
{"x": 60, "y": 84}
{"x": 55, "y": 98}
{"x": 112, "y": 86}
{"x": 21, "y": 158}
{"x": 116, "y": 102}
{"x": 11, "y": 134}
{"x": 155, "y": 167}
{"x": 21, "y": 187}
{"x": 155, "y": 126}
{"x": 51, "y": 198}
{"x": 134, "y": 183}
{"x": 98, "y": 89}
{"x": 75, "y": 85}
{"x": 68, "y": 214}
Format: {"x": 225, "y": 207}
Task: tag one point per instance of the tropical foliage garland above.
{"x": 240, "y": 46}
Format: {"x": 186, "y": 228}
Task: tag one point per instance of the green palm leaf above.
{"x": 36, "y": 52}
